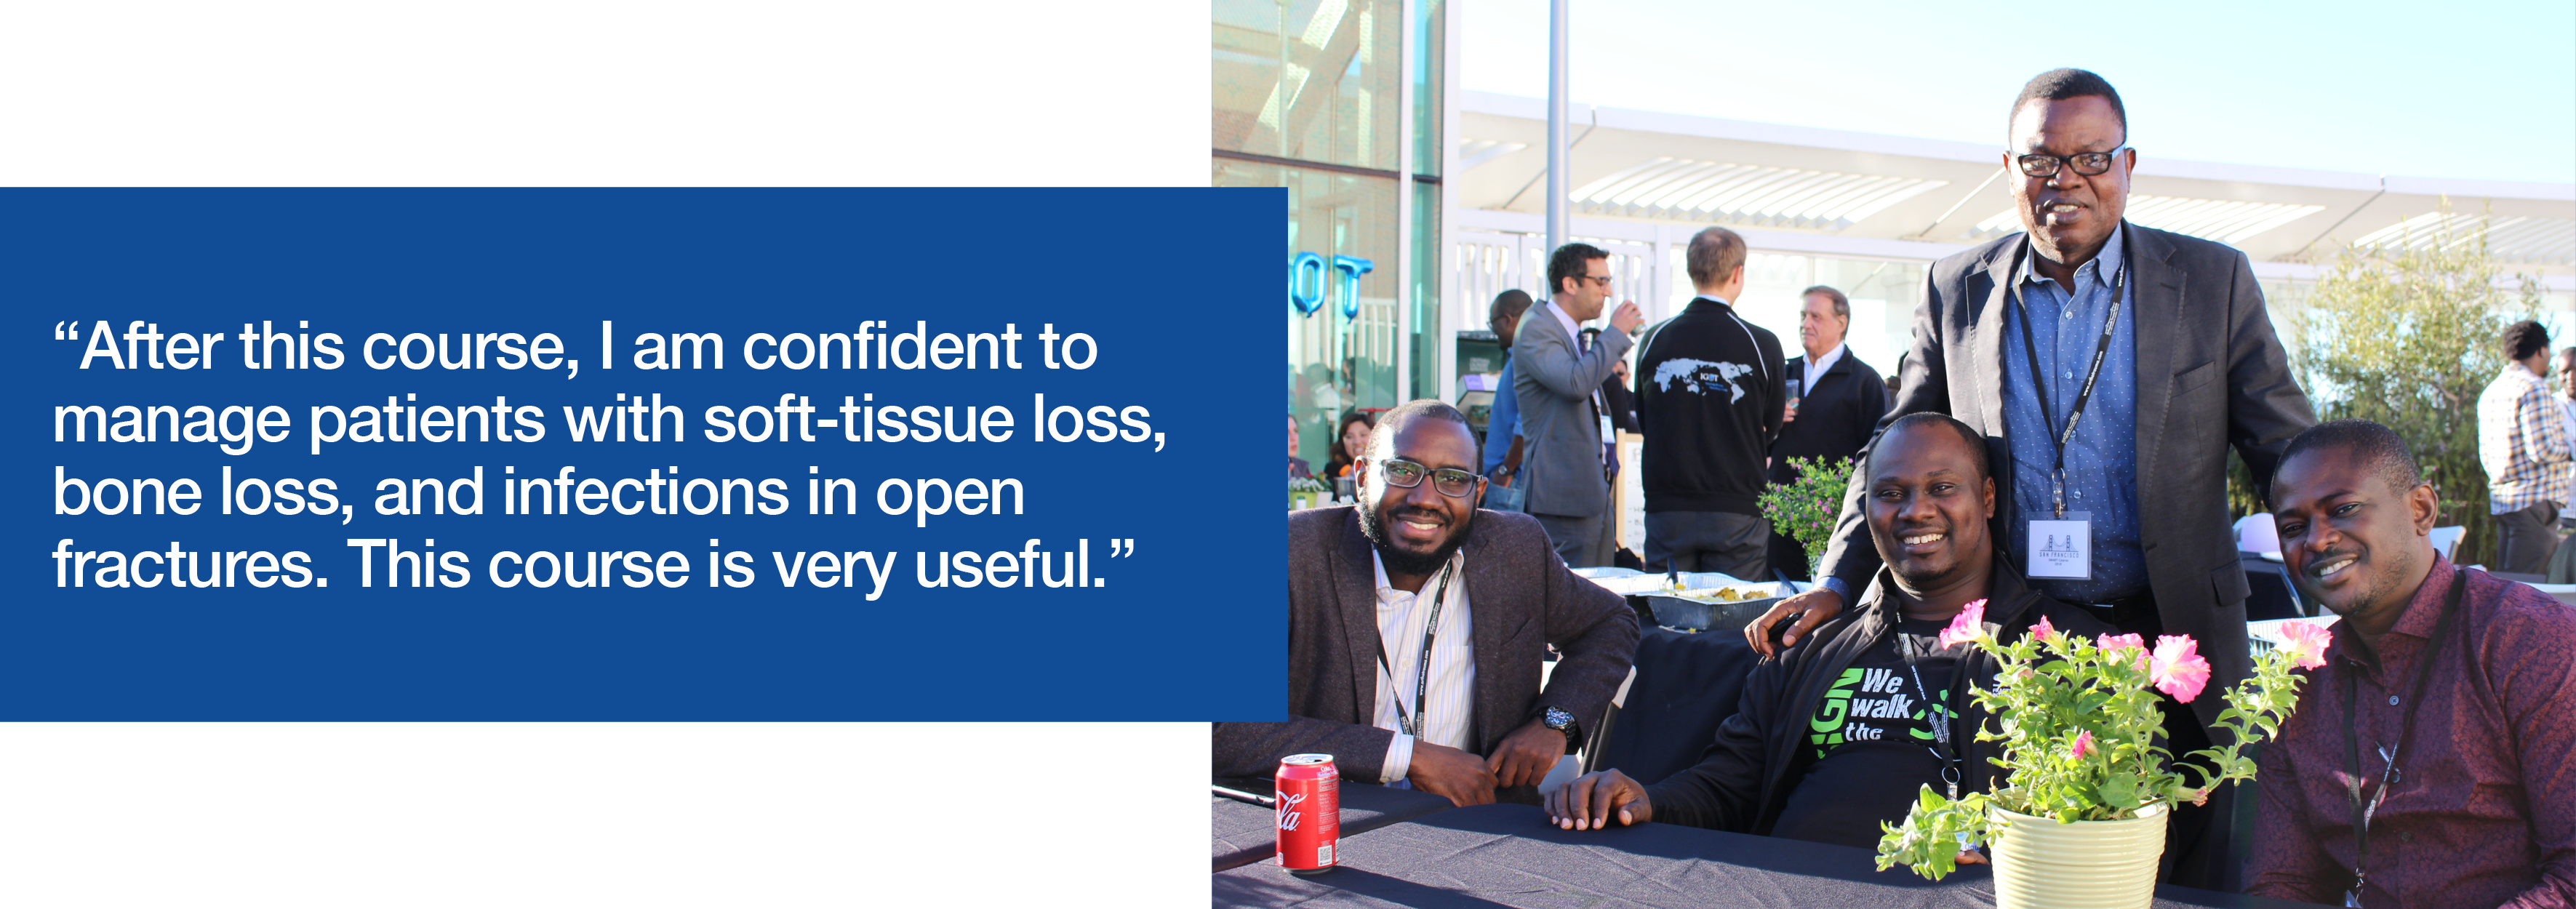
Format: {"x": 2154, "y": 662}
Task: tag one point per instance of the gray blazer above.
{"x": 1522, "y": 598}
{"x": 1553, "y": 380}
{"x": 2210, "y": 376}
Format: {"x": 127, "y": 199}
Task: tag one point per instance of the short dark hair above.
{"x": 1392, "y": 422}
{"x": 2522, "y": 339}
{"x": 1842, "y": 304}
{"x": 2383, "y": 450}
{"x": 1508, "y": 305}
{"x": 1568, "y": 261}
{"x": 1714, "y": 254}
{"x": 2061, "y": 84}
{"x": 1976, "y": 443}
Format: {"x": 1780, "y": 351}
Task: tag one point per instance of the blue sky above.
{"x": 2482, "y": 91}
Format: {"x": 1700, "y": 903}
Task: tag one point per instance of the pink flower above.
{"x": 2083, "y": 743}
{"x": 1968, "y": 626}
{"x": 2177, "y": 668}
{"x": 2117, "y": 641}
{"x": 2042, "y": 630}
{"x": 2307, "y": 647}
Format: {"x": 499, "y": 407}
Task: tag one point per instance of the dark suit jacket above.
{"x": 2210, "y": 376}
{"x": 1835, "y": 419}
{"x": 1521, "y": 598}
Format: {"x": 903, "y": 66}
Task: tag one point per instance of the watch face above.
{"x": 1558, "y": 719}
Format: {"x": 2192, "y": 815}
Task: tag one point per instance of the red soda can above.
{"x": 1310, "y": 813}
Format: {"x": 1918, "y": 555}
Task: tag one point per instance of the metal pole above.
{"x": 1556, "y": 225}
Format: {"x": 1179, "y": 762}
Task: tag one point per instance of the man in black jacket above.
{"x": 1708, "y": 400}
{"x": 1836, "y": 402}
{"x": 1841, "y": 731}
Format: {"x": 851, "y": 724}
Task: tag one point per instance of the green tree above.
{"x": 2405, "y": 335}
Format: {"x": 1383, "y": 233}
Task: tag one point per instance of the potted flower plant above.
{"x": 1804, "y": 509}
{"x": 1306, "y": 492}
{"x": 2080, "y": 819}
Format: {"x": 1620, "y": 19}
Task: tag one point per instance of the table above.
{"x": 1507, "y": 855}
{"x": 1247, "y": 833}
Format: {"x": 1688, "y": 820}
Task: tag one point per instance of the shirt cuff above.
{"x": 1399, "y": 759}
{"x": 1839, "y": 588}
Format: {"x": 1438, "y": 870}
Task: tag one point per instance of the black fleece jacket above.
{"x": 1744, "y": 781}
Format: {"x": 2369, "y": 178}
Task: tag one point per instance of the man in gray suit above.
{"x": 1557, "y": 381}
{"x": 1417, "y": 625}
{"x": 2110, "y": 368}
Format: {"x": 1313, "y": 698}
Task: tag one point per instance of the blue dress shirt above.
{"x": 2102, "y": 458}
{"x": 1502, "y": 422}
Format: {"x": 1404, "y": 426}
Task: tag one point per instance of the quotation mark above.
{"x": 1125, "y": 547}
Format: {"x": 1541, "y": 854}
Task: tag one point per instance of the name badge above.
{"x": 1608, "y": 434}
{"x": 2062, "y": 548}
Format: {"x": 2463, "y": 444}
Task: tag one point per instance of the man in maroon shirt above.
{"x": 2430, "y": 757}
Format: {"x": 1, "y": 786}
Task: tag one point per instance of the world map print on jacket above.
{"x": 1701, "y": 376}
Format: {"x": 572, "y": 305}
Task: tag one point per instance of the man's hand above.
{"x": 1971, "y": 857}
{"x": 1626, "y": 318}
{"x": 1587, "y": 802}
{"x": 1820, "y": 606}
{"x": 1525, "y": 756}
{"x": 1452, "y": 774}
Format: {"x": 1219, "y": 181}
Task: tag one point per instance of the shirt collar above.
{"x": 1573, "y": 332}
{"x": 1389, "y": 594}
{"x": 1818, "y": 365}
{"x": 2113, "y": 251}
{"x": 2423, "y": 611}
{"x": 1721, "y": 301}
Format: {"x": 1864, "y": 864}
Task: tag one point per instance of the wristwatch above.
{"x": 1562, "y": 721}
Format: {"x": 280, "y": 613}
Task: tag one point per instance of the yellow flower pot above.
{"x": 2043, "y": 864}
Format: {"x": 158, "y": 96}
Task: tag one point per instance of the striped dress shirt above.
{"x": 1449, "y": 701}
{"x": 2522, "y": 442}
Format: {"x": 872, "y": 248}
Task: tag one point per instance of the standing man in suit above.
{"x": 1709, "y": 399}
{"x": 1558, "y": 381}
{"x": 1840, "y": 398}
{"x": 1417, "y": 626}
{"x": 2108, "y": 366}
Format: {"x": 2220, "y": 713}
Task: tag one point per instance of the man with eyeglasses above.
{"x": 1566, "y": 425}
{"x": 2110, "y": 367}
{"x": 1417, "y": 626}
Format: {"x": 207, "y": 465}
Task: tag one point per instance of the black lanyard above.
{"x": 1413, "y": 723}
{"x": 1940, "y": 723}
{"x": 2038, "y": 377}
{"x": 2362, "y": 812}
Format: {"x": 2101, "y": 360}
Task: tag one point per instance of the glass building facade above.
{"x": 1309, "y": 96}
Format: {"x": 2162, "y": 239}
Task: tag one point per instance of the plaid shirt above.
{"x": 2522, "y": 442}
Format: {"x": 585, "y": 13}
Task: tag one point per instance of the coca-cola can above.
{"x": 1310, "y": 813}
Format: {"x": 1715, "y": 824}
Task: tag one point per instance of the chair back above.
{"x": 2446, "y": 540}
{"x": 1685, "y": 685}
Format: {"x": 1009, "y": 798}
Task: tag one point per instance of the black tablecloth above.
{"x": 1247, "y": 833}
{"x": 1507, "y": 855}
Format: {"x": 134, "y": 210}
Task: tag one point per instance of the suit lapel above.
{"x": 1355, "y": 589}
{"x": 1986, "y": 340}
{"x": 1484, "y": 600}
{"x": 2159, "y": 320}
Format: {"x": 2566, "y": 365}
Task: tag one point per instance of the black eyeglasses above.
{"x": 1604, "y": 279}
{"x": 1451, "y": 481}
{"x": 2087, "y": 164}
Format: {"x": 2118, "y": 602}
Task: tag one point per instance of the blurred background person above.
{"x": 1835, "y": 402}
{"x": 2522, "y": 443}
{"x": 1297, "y": 468}
{"x": 1558, "y": 379}
{"x": 1502, "y": 453}
{"x": 1709, "y": 398}
{"x": 1350, "y": 445}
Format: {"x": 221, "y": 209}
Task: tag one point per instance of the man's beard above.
{"x": 1401, "y": 562}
